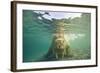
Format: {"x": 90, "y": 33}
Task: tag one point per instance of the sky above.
{"x": 58, "y": 15}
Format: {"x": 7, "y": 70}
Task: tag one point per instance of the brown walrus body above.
{"x": 60, "y": 47}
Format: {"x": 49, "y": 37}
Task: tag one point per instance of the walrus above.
{"x": 60, "y": 47}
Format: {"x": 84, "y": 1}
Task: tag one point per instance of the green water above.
{"x": 37, "y": 37}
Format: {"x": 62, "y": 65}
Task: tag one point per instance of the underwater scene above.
{"x": 56, "y": 36}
